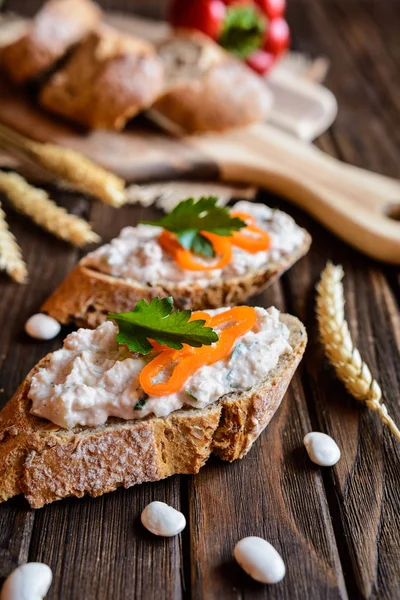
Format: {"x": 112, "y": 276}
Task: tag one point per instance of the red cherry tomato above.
{"x": 278, "y": 37}
{"x": 260, "y": 61}
{"x": 272, "y": 8}
{"x": 204, "y": 15}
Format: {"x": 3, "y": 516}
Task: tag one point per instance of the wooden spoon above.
{"x": 361, "y": 207}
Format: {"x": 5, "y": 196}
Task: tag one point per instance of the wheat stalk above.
{"x": 82, "y": 172}
{"x": 11, "y": 259}
{"x": 69, "y": 165}
{"x": 339, "y": 347}
{"x": 36, "y": 204}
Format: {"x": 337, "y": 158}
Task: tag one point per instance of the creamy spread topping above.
{"x": 92, "y": 378}
{"x": 136, "y": 254}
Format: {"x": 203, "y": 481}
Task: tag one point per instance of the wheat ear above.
{"x": 11, "y": 259}
{"x": 339, "y": 347}
{"x": 36, "y": 204}
{"x": 82, "y": 172}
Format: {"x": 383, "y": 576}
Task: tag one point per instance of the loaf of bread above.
{"x": 208, "y": 89}
{"x": 108, "y": 79}
{"x": 47, "y": 463}
{"x": 58, "y": 26}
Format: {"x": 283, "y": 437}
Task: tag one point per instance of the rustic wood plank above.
{"x": 359, "y": 507}
{"x": 275, "y": 493}
{"x": 364, "y": 482}
{"x": 98, "y": 548}
{"x": 16, "y": 524}
{"x": 360, "y": 475}
{"x": 18, "y": 353}
{"x": 369, "y": 468}
{"x": 376, "y": 56}
{"x": 361, "y": 121}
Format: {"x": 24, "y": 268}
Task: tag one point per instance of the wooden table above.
{"x": 337, "y": 529}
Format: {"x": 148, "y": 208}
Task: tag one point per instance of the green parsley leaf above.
{"x": 202, "y": 246}
{"x": 243, "y": 31}
{"x": 156, "y": 321}
{"x": 190, "y": 217}
{"x": 196, "y": 242}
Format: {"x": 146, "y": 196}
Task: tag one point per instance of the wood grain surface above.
{"x": 337, "y": 529}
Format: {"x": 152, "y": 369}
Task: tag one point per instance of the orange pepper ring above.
{"x": 221, "y": 244}
{"x": 250, "y": 244}
{"x": 246, "y": 217}
{"x": 188, "y": 362}
{"x": 187, "y": 260}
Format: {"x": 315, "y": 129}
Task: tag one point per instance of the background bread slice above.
{"x": 207, "y": 88}
{"x": 47, "y": 463}
{"x": 86, "y": 296}
{"x": 57, "y": 26}
{"x": 107, "y": 80}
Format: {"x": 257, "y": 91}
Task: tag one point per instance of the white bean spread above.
{"x": 136, "y": 254}
{"x": 92, "y": 378}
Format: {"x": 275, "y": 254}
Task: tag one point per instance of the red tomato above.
{"x": 272, "y": 8}
{"x": 205, "y": 15}
{"x": 260, "y": 61}
{"x": 278, "y": 36}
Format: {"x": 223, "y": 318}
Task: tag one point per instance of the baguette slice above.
{"x": 107, "y": 80}
{"x": 58, "y": 26}
{"x": 48, "y": 463}
{"x": 86, "y": 296}
{"x": 207, "y": 89}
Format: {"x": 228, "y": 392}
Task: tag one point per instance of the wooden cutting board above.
{"x": 360, "y": 207}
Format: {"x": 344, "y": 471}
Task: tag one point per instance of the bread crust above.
{"x": 86, "y": 296}
{"x": 107, "y": 80}
{"x": 48, "y": 463}
{"x": 226, "y": 95}
{"x": 59, "y": 25}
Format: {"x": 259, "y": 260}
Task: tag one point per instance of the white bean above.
{"x": 260, "y": 560}
{"x": 42, "y": 327}
{"x": 322, "y": 449}
{"x": 162, "y": 519}
{"x": 28, "y": 582}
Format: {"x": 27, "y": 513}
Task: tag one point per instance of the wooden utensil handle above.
{"x": 359, "y": 206}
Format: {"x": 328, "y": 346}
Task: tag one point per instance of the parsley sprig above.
{"x": 191, "y": 216}
{"x": 157, "y": 321}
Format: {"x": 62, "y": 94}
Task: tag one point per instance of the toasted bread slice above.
{"x": 86, "y": 296}
{"x": 48, "y": 463}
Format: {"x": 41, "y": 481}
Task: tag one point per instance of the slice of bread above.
{"x": 107, "y": 80}
{"x": 207, "y": 88}
{"x": 58, "y": 26}
{"x": 48, "y": 463}
{"x": 86, "y": 296}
